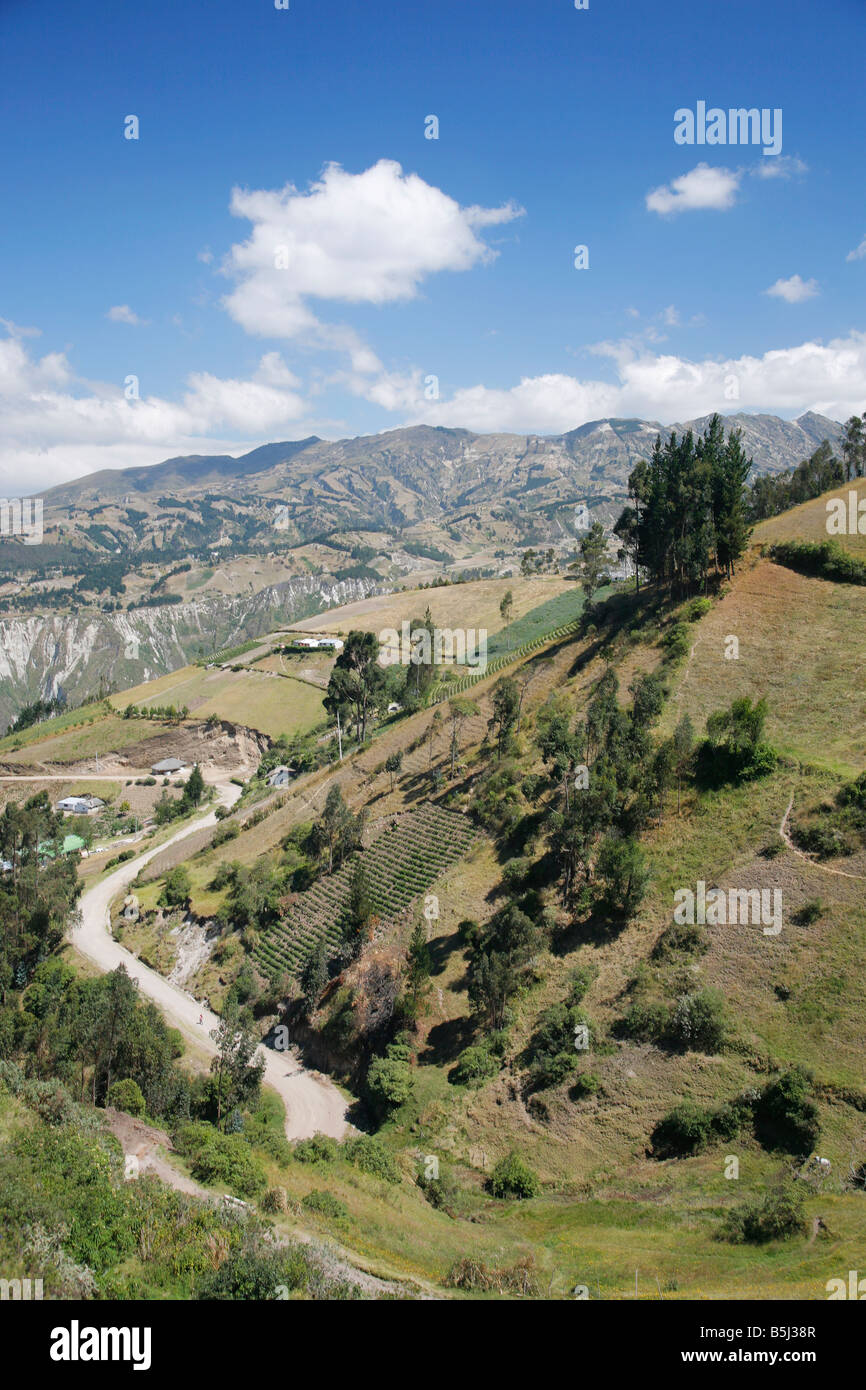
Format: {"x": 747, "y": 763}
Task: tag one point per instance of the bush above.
{"x": 252, "y": 1273}
{"x": 698, "y": 608}
{"x": 320, "y": 1149}
{"x": 225, "y": 832}
{"x": 371, "y": 1157}
{"x": 221, "y": 1158}
{"x": 126, "y": 1095}
{"x": 688, "y": 937}
{"x": 777, "y": 1216}
{"x": 786, "y": 1115}
{"x": 513, "y": 1177}
{"x": 809, "y": 912}
{"x": 684, "y": 1130}
{"x": 646, "y": 1022}
{"x": 474, "y": 1065}
{"x": 587, "y": 1084}
{"x": 698, "y": 1021}
{"x": 326, "y": 1204}
{"x": 389, "y": 1084}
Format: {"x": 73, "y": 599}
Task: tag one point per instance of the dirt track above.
{"x": 312, "y": 1102}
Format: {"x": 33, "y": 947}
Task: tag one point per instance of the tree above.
{"x": 525, "y": 677}
{"x": 505, "y": 705}
{"x": 359, "y": 908}
{"x": 459, "y": 711}
{"x": 593, "y": 558}
{"x": 433, "y": 729}
{"x": 357, "y": 680}
{"x": 237, "y": 1068}
{"x": 621, "y": 868}
{"x": 315, "y": 975}
{"x": 418, "y": 966}
{"x": 195, "y": 787}
{"x": 854, "y": 448}
{"x": 393, "y": 764}
{"x": 684, "y": 747}
{"x": 505, "y": 610}
{"x": 176, "y": 889}
{"x": 334, "y": 829}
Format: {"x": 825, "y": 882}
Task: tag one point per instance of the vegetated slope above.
{"x": 403, "y": 861}
{"x": 808, "y": 522}
{"x": 606, "y": 1204}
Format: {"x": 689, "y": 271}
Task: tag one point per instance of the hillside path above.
{"x": 825, "y": 868}
{"x": 312, "y": 1102}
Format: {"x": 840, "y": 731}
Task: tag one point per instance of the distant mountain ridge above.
{"x": 397, "y": 478}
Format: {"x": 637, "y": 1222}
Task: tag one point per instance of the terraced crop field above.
{"x": 401, "y": 864}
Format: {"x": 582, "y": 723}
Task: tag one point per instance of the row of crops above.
{"x": 401, "y": 864}
{"x": 446, "y": 690}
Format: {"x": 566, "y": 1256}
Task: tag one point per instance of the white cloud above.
{"x": 369, "y": 238}
{"x": 859, "y": 252}
{"x": 16, "y": 330}
{"x": 121, "y": 313}
{"x": 794, "y": 290}
{"x": 702, "y": 187}
{"x": 780, "y": 166}
{"x": 829, "y": 378}
{"x": 56, "y": 426}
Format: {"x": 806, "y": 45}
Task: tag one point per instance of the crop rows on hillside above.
{"x": 401, "y": 864}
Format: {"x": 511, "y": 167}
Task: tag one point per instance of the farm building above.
{"x": 80, "y": 805}
{"x": 167, "y": 767}
{"x": 331, "y": 644}
{"x": 280, "y": 776}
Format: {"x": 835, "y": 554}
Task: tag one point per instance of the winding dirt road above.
{"x": 312, "y": 1102}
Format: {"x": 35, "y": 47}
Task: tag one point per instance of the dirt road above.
{"x": 312, "y": 1102}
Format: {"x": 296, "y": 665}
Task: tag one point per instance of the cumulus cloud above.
{"x": 829, "y": 378}
{"x": 859, "y": 252}
{"x": 794, "y": 290}
{"x": 702, "y": 187}
{"x": 56, "y": 426}
{"x": 369, "y": 238}
{"x": 121, "y": 313}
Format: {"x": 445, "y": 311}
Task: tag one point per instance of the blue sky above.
{"x": 718, "y": 277}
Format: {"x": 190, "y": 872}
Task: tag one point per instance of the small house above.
{"x": 167, "y": 767}
{"x": 280, "y": 776}
{"x": 80, "y": 805}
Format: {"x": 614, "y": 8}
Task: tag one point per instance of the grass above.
{"x": 272, "y": 705}
{"x": 107, "y": 734}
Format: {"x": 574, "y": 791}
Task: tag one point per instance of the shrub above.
{"x": 786, "y": 1115}
{"x": 221, "y": 1158}
{"x": 225, "y": 832}
{"x": 389, "y": 1083}
{"x": 513, "y": 1177}
{"x": 176, "y": 888}
{"x": 126, "y": 1095}
{"x": 646, "y": 1022}
{"x": 371, "y": 1157}
{"x": 253, "y": 1273}
{"x": 579, "y": 982}
{"x": 698, "y": 1020}
{"x": 320, "y": 1149}
{"x": 688, "y": 937}
{"x": 326, "y": 1204}
{"x": 587, "y": 1084}
{"x": 685, "y": 1129}
{"x": 809, "y": 912}
{"x": 474, "y": 1065}
{"x": 777, "y": 1216}
{"x": 698, "y": 608}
